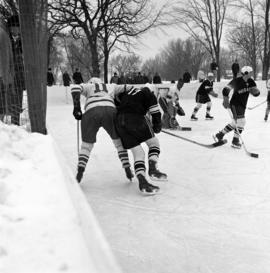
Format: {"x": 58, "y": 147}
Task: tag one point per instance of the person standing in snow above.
{"x": 267, "y": 110}
{"x": 202, "y": 97}
{"x": 235, "y": 68}
{"x": 66, "y": 79}
{"x": 134, "y": 128}
{"x": 77, "y": 76}
{"x": 242, "y": 87}
{"x": 100, "y": 111}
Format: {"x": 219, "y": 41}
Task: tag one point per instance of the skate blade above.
{"x": 145, "y": 193}
{"x": 236, "y": 147}
{"x": 209, "y": 118}
{"x": 161, "y": 179}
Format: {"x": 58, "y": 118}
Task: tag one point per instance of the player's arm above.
{"x": 155, "y": 112}
{"x": 254, "y": 89}
{"x": 225, "y": 92}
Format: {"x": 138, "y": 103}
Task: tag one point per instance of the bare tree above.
{"x": 105, "y": 23}
{"x": 204, "y": 20}
{"x": 247, "y": 33}
{"x": 33, "y": 21}
{"x": 126, "y": 64}
{"x": 265, "y": 8}
{"x": 125, "y": 19}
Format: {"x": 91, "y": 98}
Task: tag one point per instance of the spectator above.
{"x": 157, "y": 79}
{"x": 235, "y": 68}
{"x": 6, "y": 69}
{"x": 114, "y": 78}
{"x": 139, "y": 78}
{"x": 15, "y": 93}
{"x": 145, "y": 78}
{"x": 214, "y": 68}
{"x": 186, "y": 77}
{"x": 66, "y": 79}
{"x": 77, "y": 77}
{"x": 50, "y": 77}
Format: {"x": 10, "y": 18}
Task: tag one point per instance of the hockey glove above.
{"x": 157, "y": 127}
{"x": 226, "y": 103}
{"x": 179, "y": 110}
{"x": 77, "y": 113}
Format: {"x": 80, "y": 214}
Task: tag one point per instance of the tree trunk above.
{"x": 95, "y": 61}
{"x": 33, "y": 18}
{"x": 266, "y": 53}
{"x": 105, "y": 65}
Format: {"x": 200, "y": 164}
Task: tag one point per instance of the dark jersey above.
{"x": 205, "y": 88}
{"x": 138, "y": 101}
{"x": 241, "y": 90}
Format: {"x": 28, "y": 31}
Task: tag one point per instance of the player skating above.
{"x": 135, "y": 128}
{"x": 202, "y": 97}
{"x": 100, "y": 111}
{"x": 241, "y": 87}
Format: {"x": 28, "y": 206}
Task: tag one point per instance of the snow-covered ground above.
{"x": 213, "y": 215}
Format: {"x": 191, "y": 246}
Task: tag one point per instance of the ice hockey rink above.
{"x": 213, "y": 213}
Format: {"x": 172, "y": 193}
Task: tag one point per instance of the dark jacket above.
{"x": 77, "y": 77}
{"x": 66, "y": 79}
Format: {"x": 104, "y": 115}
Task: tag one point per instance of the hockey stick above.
{"x": 212, "y": 145}
{"x": 257, "y": 105}
{"x": 78, "y": 137}
{"x": 231, "y": 111}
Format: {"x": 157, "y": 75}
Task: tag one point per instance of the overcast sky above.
{"x": 152, "y": 42}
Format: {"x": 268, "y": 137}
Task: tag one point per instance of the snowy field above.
{"x": 213, "y": 215}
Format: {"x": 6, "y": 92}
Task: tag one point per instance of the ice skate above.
{"x": 208, "y": 116}
{"x": 194, "y": 118}
{"x": 236, "y": 143}
{"x": 154, "y": 173}
{"x": 266, "y": 118}
{"x": 129, "y": 173}
{"x": 79, "y": 174}
{"x": 145, "y": 187}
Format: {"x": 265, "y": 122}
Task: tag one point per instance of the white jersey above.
{"x": 95, "y": 94}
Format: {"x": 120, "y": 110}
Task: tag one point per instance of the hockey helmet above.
{"x": 246, "y": 70}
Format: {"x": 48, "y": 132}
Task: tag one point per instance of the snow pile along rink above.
{"x": 41, "y": 230}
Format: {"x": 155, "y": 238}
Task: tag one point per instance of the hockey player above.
{"x": 267, "y": 110}
{"x": 100, "y": 111}
{"x": 135, "y": 128}
{"x": 241, "y": 87}
{"x": 170, "y": 106}
{"x": 202, "y": 97}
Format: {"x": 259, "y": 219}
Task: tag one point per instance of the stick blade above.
{"x": 254, "y": 155}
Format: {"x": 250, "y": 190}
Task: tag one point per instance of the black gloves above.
{"x": 157, "y": 127}
{"x": 77, "y": 113}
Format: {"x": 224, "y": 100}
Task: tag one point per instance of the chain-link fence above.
{"x": 23, "y": 63}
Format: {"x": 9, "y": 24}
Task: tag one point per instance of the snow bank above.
{"x": 41, "y": 229}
